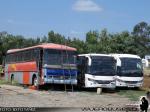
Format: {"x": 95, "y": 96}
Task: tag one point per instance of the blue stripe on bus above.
{"x": 61, "y": 72}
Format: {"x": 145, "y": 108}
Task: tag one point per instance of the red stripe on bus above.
{"x": 26, "y": 77}
{"x": 26, "y": 66}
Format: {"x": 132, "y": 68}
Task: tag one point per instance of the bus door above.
{"x": 82, "y": 69}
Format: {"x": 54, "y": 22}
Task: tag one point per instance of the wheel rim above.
{"x": 35, "y": 82}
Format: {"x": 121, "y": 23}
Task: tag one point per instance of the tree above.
{"x": 141, "y": 35}
{"x": 142, "y": 29}
{"x": 91, "y": 41}
{"x": 137, "y": 42}
{"x": 104, "y": 42}
{"x": 56, "y": 38}
{"x": 79, "y": 45}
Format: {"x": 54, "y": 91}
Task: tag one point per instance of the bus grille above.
{"x": 131, "y": 82}
{"x": 103, "y": 82}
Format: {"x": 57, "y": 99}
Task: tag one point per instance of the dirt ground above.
{"x": 18, "y": 96}
{"x": 146, "y": 84}
{"x": 11, "y": 96}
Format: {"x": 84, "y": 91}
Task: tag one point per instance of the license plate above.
{"x": 104, "y": 85}
{"x": 131, "y": 86}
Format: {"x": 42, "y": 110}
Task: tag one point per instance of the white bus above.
{"x": 96, "y": 71}
{"x": 129, "y": 70}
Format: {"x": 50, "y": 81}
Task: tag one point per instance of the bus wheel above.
{"x": 35, "y": 81}
{"x": 12, "y": 79}
{"x": 136, "y": 88}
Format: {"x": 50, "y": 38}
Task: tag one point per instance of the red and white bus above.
{"x": 42, "y": 64}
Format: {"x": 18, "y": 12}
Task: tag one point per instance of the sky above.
{"x": 74, "y": 18}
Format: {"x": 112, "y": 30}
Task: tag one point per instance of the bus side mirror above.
{"x": 89, "y": 62}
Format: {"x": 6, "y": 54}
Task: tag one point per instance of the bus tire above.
{"x": 136, "y": 88}
{"x": 79, "y": 86}
{"x": 35, "y": 81}
{"x": 12, "y": 79}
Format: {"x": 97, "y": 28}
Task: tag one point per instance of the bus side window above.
{"x": 35, "y": 54}
{"x": 79, "y": 61}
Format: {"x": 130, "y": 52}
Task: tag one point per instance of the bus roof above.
{"x": 45, "y": 46}
{"x": 126, "y": 56}
{"x": 94, "y": 54}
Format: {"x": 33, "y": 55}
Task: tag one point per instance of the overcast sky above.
{"x": 32, "y": 18}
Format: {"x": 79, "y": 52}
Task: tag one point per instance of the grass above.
{"x": 2, "y": 81}
{"x": 133, "y": 95}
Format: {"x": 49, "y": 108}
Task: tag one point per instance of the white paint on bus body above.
{"x": 126, "y": 76}
{"x": 101, "y": 80}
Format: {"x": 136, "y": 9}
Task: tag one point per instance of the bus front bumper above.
{"x": 129, "y": 84}
{"x": 100, "y": 84}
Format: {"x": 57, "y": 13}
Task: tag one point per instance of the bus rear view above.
{"x": 129, "y": 70}
{"x": 96, "y": 71}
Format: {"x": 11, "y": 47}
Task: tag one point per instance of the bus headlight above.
{"x": 91, "y": 80}
{"x": 113, "y": 83}
{"x": 119, "y": 80}
{"x": 141, "y": 81}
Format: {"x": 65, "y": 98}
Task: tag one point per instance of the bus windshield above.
{"x": 102, "y": 65}
{"x": 131, "y": 67}
{"x": 58, "y": 57}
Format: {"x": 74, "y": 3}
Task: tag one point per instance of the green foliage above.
{"x": 137, "y": 42}
{"x": 141, "y": 36}
{"x": 133, "y": 95}
{"x": 1, "y": 69}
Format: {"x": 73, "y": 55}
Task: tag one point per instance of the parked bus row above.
{"x": 109, "y": 71}
{"x": 60, "y": 64}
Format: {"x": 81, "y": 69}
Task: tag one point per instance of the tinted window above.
{"x": 131, "y": 64}
{"x": 28, "y": 55}
{"x": 57, "y": 57}
{"x": 102, "y": 65}
{"x": 131, "y": 67}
